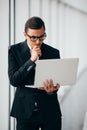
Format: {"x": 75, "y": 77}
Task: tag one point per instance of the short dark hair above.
{"x": 34, "y": 23}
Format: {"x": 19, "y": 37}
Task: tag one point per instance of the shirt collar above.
{"x": 29, "y": 46}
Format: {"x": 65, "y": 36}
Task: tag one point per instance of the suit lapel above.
{"x": 25, "y": 52}
{"x": 44, "y": 52}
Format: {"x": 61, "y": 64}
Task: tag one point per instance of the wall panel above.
{"x": 4, "y": 40}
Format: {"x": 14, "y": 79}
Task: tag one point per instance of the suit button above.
{"x": 35, "y": 104}
{"x": 36, "y": 108}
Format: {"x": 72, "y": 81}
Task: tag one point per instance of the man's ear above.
{"x": 25, "y": 34}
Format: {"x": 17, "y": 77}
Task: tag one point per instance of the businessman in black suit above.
{"x": 33, "y": 108}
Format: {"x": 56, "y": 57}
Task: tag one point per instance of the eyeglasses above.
{"x": 35, "y": 38}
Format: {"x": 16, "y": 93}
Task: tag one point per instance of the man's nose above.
{"x": 38, "y": 41}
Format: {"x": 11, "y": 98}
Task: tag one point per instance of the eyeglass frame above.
{"x": 37, "y": 37}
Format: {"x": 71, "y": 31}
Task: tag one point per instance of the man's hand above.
{"x": 36, "y": 52}
{"x": 49, "y": 87}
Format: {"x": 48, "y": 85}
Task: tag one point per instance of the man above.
{"x": 33, "y": 108}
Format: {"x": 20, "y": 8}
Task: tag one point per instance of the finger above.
{"x": 38, "y": 50}
{"x": 39, "y": 53}
{"x": 51, "y": 83}
{"x": 44, "y": 84}
{"x": 47, "y": 82}
{"x": 57, "y": 86}
{"x": 46, "y": 87}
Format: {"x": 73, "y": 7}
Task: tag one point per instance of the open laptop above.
{"x": 62, "y": 71}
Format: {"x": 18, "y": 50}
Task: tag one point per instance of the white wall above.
{"x": 74, "y": 104}
{"x": 66, "y": 27}
{"x": 73, "y": 39}
{"x": 3, "y": 64}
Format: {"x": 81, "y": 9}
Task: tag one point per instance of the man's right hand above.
{"x": 36, "y": 52}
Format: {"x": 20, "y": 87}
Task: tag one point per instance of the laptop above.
{"x": 62, "y": 71}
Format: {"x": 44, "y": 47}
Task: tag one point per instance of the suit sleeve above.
{"x": 18, "y": 74}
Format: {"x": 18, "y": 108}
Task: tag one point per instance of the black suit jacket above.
{"x": 21, "y": 71}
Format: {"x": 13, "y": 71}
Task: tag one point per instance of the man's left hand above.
{"x": 49, "y": 87}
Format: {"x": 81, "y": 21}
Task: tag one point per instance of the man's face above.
{"x": 35, "y": 37}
